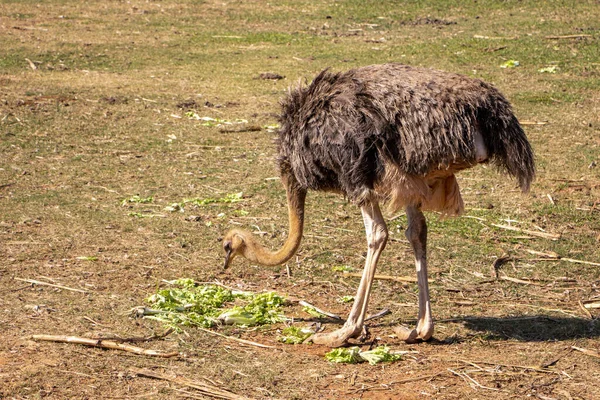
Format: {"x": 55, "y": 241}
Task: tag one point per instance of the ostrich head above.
{"x": 234, "y": 243}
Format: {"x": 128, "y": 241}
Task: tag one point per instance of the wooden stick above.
{"x": 517, "y": 280}
{"x": 204, "y": 388}
{"x": 533, "y": 122}
{"x": 251, "y": 343}
{"x": 585, "y": 310}
{"x": 549, "y": 254}
{"x": 586, "y": 351}
{"x": 380, "y": 314}
{"x": 591, "y": 304}
{"x": 51, "y": 284}
{"x": 568, "y": 36}
{"x": 495, "y": 37}
{"x": 31, "y": 64}
{"x": 579, "y": 261}
{"x": 552, "y": 256}
{"x": 474, "y": 382}
{"x": 416, "y": 378}
{"x": 545, "y": 235}
{"x": 119, "y": 339}
{"x": 249, "y": 128}
{"x": 105, "y": 344}
{"x": 554, "y": 360}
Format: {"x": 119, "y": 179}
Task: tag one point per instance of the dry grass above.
{"x": 93, "y": 97}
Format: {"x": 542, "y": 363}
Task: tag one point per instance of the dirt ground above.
{"x": 104, "y": 101}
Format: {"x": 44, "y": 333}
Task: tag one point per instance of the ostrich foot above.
{"x": 422, "y": 332}
{"x": 337, "y": 338}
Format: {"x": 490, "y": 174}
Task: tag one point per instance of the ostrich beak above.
{"x": 228, "y": 258}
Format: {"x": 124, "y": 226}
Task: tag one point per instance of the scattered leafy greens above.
{"x": 379, "y": 354}
{"x": 550, "y": 70}
{"x": 353, "y": 355}
{"x": 295, "y": 335}
{"x": 313, "y": 311}
{"x": 510, "y": 64}
{"x": 346, "y": 299}
{"x": 346, "y": 355}
{"x": 185, "y": 303}
{"x": 341, "y": 268}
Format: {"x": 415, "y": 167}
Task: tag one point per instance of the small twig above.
{"x": 33, "y": 281}
{"x": 94, "y": 322}
{"x": 545, "y": 235}
{"x": 473, "y": 383}
{"x": 587, "y": 351}
{"x": 31, "y": 64}
{"x": 416, "y": 378}
{"x": 591, "y": 304}
{"x": 556, "y": 359}
{"x": 579, "y": 261}
{"x": 119, "y": 339}
{"x": 533, "y": 122}
{"x": 328, "y": 314}
{"x": 248, "y": 342}
{"x": 495, "y": 37}
{"x": 580, "y": 36}
{"x": 493, "y": 50}
{"x": 105, "y": 344}
{"x": 204, "y": 388}
{"x": 552, "y": 256}
{"x": 517, "y": 280}
{"x": 585, "y": 310}
{"x": 380, "y": 314}
{"x": 104, "y": 188}
{"x": 249, "y": 128}
{"x": 5, "y": 185}
{"x": 463, "y": 376}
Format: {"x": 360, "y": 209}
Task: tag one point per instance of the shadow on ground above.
{"x": 535, "y": 328}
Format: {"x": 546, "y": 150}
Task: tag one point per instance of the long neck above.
{"x": 295, "y": 200}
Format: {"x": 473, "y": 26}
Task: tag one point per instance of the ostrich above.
{"x": 390, "y": 134}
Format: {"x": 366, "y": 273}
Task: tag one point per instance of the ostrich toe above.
{"x": 423, "y": 332}
{"x": 337, "y": 338}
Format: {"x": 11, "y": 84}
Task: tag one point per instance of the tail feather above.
{"x": 507, "y": 144}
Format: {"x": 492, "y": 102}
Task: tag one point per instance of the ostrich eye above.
{"x": 227, "y": 246}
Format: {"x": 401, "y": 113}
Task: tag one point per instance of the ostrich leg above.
{"x": 416, "y": 233}
{"x": 377, "y": 235}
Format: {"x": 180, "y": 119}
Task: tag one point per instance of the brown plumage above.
{"x": 394, "y": 134}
